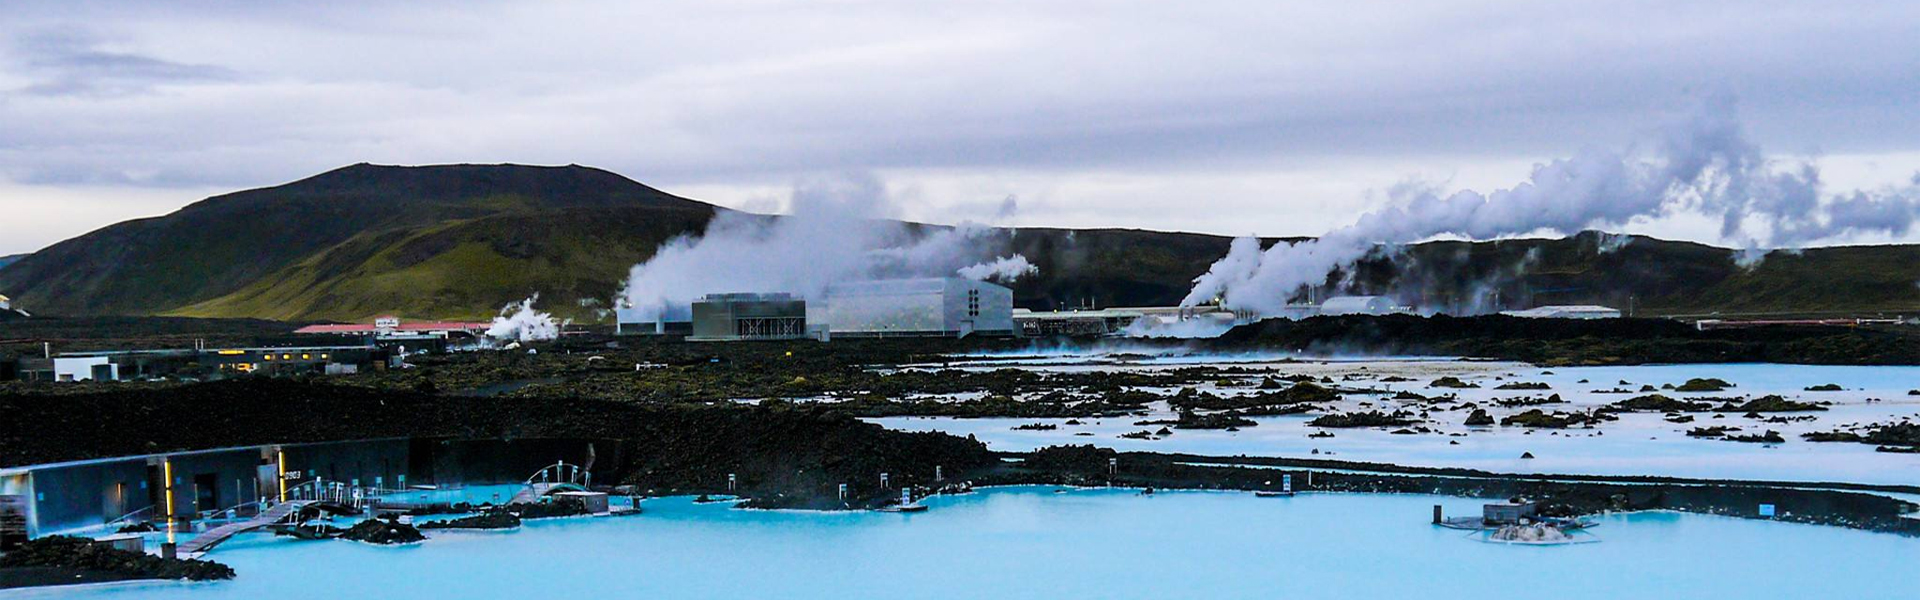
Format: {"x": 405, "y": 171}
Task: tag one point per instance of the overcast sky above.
{"x": 1269, "y": 117}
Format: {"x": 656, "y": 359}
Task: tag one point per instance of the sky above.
{"x": 1248, "y": 117}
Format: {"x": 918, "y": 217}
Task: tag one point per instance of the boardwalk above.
{"x": 211, "y": 537}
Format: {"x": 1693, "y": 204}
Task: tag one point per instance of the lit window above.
{"x": 268, "y": 357}
{"x": 286, "y": 357}
{"x": 323, "y": 357}
{"x": 306, "y": 357}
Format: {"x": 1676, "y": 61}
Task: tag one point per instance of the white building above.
{"x": 6, "y": 303}
{"x": 929, "y": 307}
{"x": 85, "y": 368}
{"x": 1358, "y": 305}
{"x": 1566, "y": 312}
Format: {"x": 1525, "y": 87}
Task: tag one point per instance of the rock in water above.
{"x": 384, "y": 531}
{"x": 498, "y": 519}
{"x": 1537, "y": 533}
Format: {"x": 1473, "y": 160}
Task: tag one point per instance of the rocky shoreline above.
{"x": 63, "y": 560}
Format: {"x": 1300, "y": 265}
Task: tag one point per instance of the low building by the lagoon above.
{"x": 1566, "y": 312}
{"x": 924, "y": 307}
{"x": 131, "y": 365}
{"x": 181, "y": 488}
{"x": 749, "y": 316}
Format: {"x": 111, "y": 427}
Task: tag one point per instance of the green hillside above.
{"x": 361, "y": 240}
{"x": 459, "y": 241}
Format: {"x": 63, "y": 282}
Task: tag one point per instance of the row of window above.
{"x": 302, "y": 357}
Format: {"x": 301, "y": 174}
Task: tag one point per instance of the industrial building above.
{"x": 925, "y": 307}
{"x": 1359, "y": 305}
{"x": 635, "y": 321}
{"x": 741, "y": 316}
{"x": 1074, "y": 322}
{"x": 1111, "y": 321}
{"x": 129, "y": 365}
{"x": 1565, "y": 312}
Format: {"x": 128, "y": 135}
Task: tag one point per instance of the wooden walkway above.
{"x": 212, "y": 537}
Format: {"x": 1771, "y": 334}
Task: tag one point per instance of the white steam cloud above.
{"x": 519, "y": 322}
{"x": 1700, "y": 164}
{"x": 838, "y": 230}
{"x": 1005, "y": 269}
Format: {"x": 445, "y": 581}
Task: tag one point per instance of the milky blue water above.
{"x": 1032, "y": 543}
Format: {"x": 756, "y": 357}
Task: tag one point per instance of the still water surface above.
{"x": 1029, "y": 542}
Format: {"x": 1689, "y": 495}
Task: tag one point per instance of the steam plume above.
{"x": 1006, "y": 269}
{"x": 1700, "y": 164}
{"x": 840, "y": 229}
{"x": 519, "y": 322}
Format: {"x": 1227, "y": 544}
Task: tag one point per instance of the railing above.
{"x": 561, "y": 472}
{"x": 236, "y": 512}
{"x": 321, "y": 490}
{"x": 131, "y": 518}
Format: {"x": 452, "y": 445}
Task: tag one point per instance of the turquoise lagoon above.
{"x": 1030, "y": 542}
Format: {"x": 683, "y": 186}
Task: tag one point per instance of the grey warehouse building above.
{"x": 729, "y": 317}
{"x": 926, "y": 307}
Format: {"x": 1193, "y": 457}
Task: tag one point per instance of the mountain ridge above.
{"x": 459, "y": 241}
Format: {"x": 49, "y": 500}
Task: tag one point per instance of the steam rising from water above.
{"x": 1701, "y": 164}
{"x": 519, "y": 322}
{"x": 839, "y": 229}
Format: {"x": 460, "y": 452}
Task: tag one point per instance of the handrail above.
{"x": 235, "y": 509}
{"x": 127, "y": 518}
{"x": 576, "y": 475}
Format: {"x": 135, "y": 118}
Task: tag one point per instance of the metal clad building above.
{"x": 1566, "y": 312}
{"x": 719, "y": 317}
{"x": 1358, "y": 305}
{"x": 929, "y": 307}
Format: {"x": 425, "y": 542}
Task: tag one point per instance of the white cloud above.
{"x": 1098, "y": 113}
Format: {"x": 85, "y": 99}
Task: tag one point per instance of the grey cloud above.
{"x": 767, "y": 91}
{"x": 70, "y": 63}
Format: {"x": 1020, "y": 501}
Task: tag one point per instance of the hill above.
{"x": 8, "y": 260}
{"x": 437, "y": 241}
{"x": 459, "y": 241}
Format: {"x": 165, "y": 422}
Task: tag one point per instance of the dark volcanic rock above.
{"x": 558, "y": 507}
{"x": 384, "y": 532}
{"x": 1189, "y": 420}
{"x": 1710, "y": 432}
{"x": 499, "y": 519}
{"x": 1658, "y": 403}
{"x": 1770, "y": 403}
{"x": 1540, "y": 418}
{"x": 84, "y": 554}
{"x": 1363, "y": 419}
{"x": 1703, "y": 385}
{"x": 1452, "y": 382}
{"x": 1575, "y": 341}
{"x": 1523, "y": 385}
{"x": 1479, "y": 417}
{"x": 1770, "y": 437}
